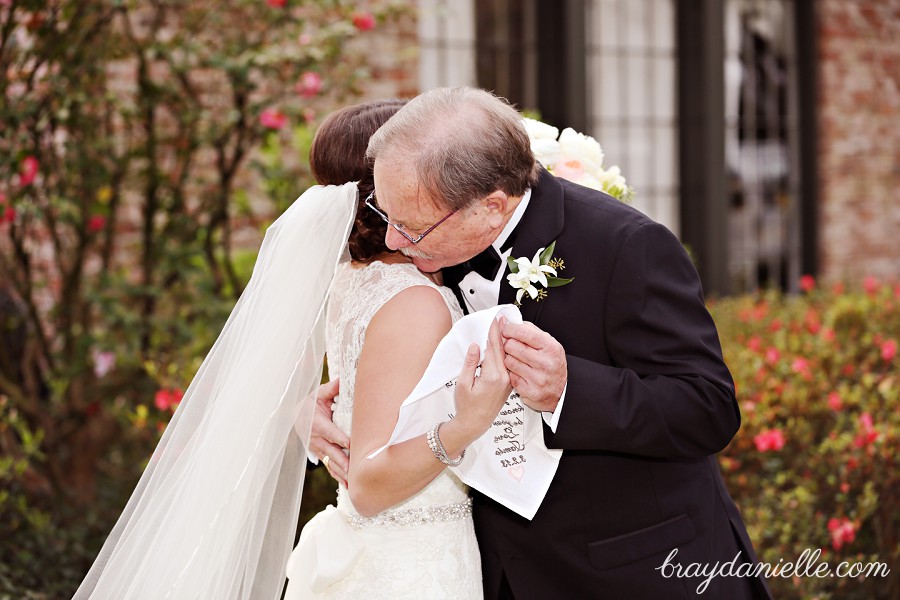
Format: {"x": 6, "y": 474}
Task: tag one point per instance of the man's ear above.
{"x": 495, "y": 207}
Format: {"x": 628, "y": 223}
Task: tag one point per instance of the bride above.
{"x": 410, "y": 515}
{"x": 215, "y": 511}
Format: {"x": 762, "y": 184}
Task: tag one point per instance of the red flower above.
{"x": 807, "y": 283}
{"x": 834, "y": 401}
{"x": 773, "y": 355}
{"x": 9, "y": 215}
{"x": 168, "y": 399}
{"x": 272, "y": 119}
{"x": 813, "y": 322}
{"x": 770, "y": 439}
{"x": 842, "y": 532}
{"x": 867, "y": 433}
{"x": 28, "y": 171}
{"x": 364, "y": 21}
{"x": 163, "y": 399}
{"x": 845, "y": 487}
{"x": 870, "y": 284}
{"x": 754, "y": 343}
{"x": 828, "y": 334}
{"x": 96, "y": 223}
{"x": 800, "y": 365}
{"x": 838, "y": 288}
{"x": 276, "y": 3}
{"x": 775, "y": 325}
{"x": 865, "y": 420}
{"x": 310, "y": 84}
{"x": 889, "y": 350}
{"x": 760, "y": 311}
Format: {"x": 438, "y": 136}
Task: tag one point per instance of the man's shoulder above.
{"x": 596, "y": 212}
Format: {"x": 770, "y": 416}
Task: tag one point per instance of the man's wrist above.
{"x": 551, "y": 418}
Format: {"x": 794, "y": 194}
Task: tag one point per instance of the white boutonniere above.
{"x": 542, "y": 269}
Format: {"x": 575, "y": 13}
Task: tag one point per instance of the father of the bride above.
{"x": 624, "y": 361}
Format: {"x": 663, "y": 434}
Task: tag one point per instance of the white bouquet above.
{"x": 576, "y": 157}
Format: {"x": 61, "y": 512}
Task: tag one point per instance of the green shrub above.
{"x": 131, "y": 133}
{"x": 815, "y": 464}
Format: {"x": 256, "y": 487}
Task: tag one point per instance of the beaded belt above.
{"x": 401, "y": 517}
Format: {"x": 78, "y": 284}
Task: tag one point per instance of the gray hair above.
{"x": 464, "y": 144}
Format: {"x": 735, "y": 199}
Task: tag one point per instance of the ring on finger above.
{"x": 325, "y": 460}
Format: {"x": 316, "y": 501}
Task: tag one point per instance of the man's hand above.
{"x": 536, "y": 363}
{"x": 326, "y": 439}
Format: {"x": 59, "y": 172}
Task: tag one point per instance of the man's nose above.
{"x": 394, "y": 241}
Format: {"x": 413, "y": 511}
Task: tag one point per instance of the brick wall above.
{"x": 859, "y": 129}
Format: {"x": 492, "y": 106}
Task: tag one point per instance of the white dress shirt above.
{"x": 480, "y": 293}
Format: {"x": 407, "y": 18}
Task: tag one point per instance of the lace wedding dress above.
{"x": 422, "y": 548}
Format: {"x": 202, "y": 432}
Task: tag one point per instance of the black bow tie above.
{"x": 485, "y": 264}
{"x": 488, "y": 262}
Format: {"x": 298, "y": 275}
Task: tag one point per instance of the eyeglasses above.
{"x": 370, "y": 202}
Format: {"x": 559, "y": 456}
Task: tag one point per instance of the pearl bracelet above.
{"x": 434, "y": 442}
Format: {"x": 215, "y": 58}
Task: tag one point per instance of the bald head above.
{"x": 462, "y": 144}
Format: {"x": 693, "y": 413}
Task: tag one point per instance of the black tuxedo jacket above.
{"x": 649, "y": 403}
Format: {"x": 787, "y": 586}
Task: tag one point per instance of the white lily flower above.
{"x": 523, "y": 283}
{"x": 534, "y": 270}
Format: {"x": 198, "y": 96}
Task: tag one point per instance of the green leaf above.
{"x": 558, "y": 281}
{"x": 513, "y": 265}
{"x": 547, "y": 254}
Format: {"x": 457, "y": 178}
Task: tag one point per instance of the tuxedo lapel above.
{"x": 452, "y": 277}
{"x": 539, "y": 227}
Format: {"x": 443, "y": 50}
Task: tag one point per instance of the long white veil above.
{"x": 215, "y": 512}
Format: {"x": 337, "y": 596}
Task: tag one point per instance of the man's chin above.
{"x": 426, "y": 265}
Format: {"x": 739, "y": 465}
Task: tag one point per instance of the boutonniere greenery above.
{"x": 542, "y": 269}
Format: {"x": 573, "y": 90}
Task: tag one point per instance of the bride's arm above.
{"x": 400, "y": 340}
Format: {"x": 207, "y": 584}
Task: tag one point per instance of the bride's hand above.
{"x": 479, "y": 399}
{"x": 326, "y": 440}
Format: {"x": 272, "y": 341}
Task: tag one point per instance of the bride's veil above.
{"x": 215, "y": 512}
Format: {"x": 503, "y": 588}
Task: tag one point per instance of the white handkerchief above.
{"x": 510, "y": 462}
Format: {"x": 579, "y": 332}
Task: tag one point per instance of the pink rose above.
{"x": 889, "y": 350}
{"x": 807, "y": 283}
{"x": 569, "y": 168}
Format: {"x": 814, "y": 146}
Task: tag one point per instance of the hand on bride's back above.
{"x": 479, "y": 399}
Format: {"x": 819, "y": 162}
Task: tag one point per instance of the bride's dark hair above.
{"x": 338, "y": 155}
